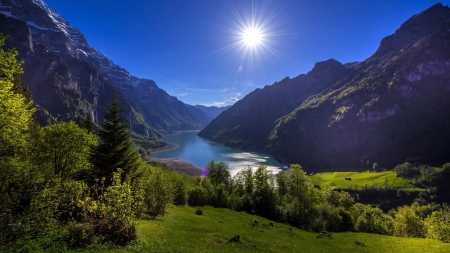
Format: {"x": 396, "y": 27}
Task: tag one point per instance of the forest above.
{"x": 78, "y": 184}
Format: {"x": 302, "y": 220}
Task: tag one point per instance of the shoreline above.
{"x": 170, "y": 146}
{"x": 179, "y": 166}
{"x": 174, "y": 163}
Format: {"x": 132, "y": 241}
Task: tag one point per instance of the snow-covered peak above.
{"x": 57, "y": 19}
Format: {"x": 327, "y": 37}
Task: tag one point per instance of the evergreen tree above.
{"x": 88, "y": 123}
{"x": 115, "y": 149}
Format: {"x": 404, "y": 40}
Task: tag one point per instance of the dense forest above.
{"x": 75, "y": 184}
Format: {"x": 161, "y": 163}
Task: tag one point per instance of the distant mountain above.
{"x": 67, "y": 77}
{"x": 200, "y": 115}
{"x": 392, "y": 107}
{"x": 212, "y": 111}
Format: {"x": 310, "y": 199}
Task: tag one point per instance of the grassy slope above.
{"x": 360, "y": 179}
{"x": 184, "y": 231}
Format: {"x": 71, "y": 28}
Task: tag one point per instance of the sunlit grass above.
{"x": 359, "y": 179}
{"x": 184, "y": 231}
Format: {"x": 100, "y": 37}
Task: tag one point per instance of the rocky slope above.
{"x": 389, "y": 108}
{"x": 248, "y": 123}
{"x": 68, "y": 77}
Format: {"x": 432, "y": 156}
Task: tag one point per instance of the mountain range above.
{"x": 390, "y": 108}
{"x": 69, "y": 78}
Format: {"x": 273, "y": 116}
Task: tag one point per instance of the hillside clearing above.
{"x": 181, "y": 230}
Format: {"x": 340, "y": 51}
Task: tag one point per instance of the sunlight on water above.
{"x": 199, "y": 152}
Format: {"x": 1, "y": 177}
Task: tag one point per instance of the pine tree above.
{"x": 88, "y": 123}
{"x": 115, "y": 149}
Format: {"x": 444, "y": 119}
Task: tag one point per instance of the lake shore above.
{"x": 179, "y": 166}
{"x": 171, "y": 146}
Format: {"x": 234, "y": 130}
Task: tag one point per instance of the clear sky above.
{"x": 197, "y": 50}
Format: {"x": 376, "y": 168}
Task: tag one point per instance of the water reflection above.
{"x": 199, "y": 152}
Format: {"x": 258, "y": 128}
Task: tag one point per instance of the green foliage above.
{"x": 158, "y": 188}
{"x": 197, "y": 196}
{"x": 372, "y": 220}
{"x": 16, "y": 114}
{"x": 408, "y": 224}
{"x": 264, "y": 195}
{"x": 108, "y": 216}
{"x": 218, "y": 173}
{"x": 115, "y": 149}
{"x": 65, "y": 149}
{"x": 438, "y": 224}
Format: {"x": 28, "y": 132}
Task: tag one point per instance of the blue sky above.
{"x": 193, "y": 49}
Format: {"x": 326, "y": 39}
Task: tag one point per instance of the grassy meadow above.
{"x": 181, "y": 230}
{"x": 360, "y": 179}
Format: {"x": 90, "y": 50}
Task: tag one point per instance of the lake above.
{"x": 198, "y": 151}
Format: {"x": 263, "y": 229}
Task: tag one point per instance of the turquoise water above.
{"x": 198, "y": 151}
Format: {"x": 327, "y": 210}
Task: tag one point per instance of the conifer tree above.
{"x": 88, "y": 123}
{"x": 115, "y": 149}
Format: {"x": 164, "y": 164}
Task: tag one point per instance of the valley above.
{"x": 343, "y": 157}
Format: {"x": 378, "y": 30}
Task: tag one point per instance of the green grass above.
{"x": 359, "y": 179}
{"x": 184, "y": 231}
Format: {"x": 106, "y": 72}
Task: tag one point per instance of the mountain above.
{"x": 212, "y": 111}
{"x": 205, "y": 114}
{"x": 68, "y": 77}
{"x": 200, "y": 115}
{"x": 248, "y": 123}
{"x": 390, "y": 108}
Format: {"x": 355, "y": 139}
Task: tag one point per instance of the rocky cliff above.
{"x": 68, "y": 77}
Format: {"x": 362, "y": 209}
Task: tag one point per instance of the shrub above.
{"x": 197, "y": 196}
{"x": 438, "y": 224}
{"x": 373, "y": 220}
{"x": 108, "y": 216}
{"x": 408, "y": 224}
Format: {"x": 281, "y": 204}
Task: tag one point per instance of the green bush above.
{"x": 373, "y": 220}
{"x": 408, "y": 224}
{"x": 197, "y": 196}
{"x": 438, "y": 224}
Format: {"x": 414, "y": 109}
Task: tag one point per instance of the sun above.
{"x": 252, "y": 36}
{"x": 254, "y": 33}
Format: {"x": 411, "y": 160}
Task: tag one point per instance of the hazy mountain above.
{"x": 200, "y": 115}
{"x": 212, "y": 111}
{"x": 389, "y": 108}
{"x": 68, "y": 77}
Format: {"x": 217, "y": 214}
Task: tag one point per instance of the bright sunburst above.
{"x": 252, "y": 36}
{"x": 254, "y": 31}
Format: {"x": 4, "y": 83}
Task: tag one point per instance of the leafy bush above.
{"x": 408, "y": 224}
{"x": 373, "y": 220}
{"x": 108, "y": 215}
{"x": 438, "y": 224}
{"x": 197, "y": 196}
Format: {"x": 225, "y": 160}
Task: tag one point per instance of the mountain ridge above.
{"x": 77, "y": 79}
{"x": 387, "y": 109}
